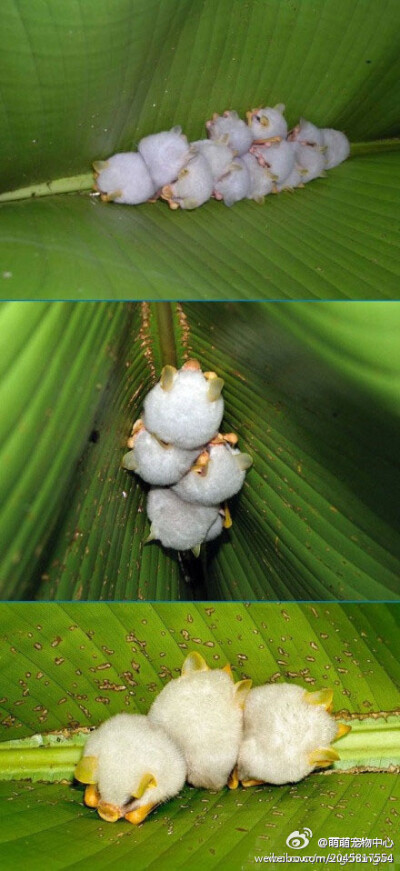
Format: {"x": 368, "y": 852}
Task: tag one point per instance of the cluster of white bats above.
{"x": 238, "y": 161}
{"x": 210, "y": 731}
{"x": 192, "y": 468}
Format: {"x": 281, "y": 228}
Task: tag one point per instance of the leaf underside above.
{"x": 91, "y": 79}
{"x": 67, "y": 666}
{"x": 75, "y": 664}
{"x": 312, "y": 393}
{"x": 206, "y": 829}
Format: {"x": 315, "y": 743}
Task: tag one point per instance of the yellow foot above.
{"x": 247, "y": 783}
{"x": 227, "y": 517}
{"x": 108, "y": 812}
{"x": 109, "y": 198}
{"x": 233, "y": 780}
{"x": 137, "y": 816}
{"x": 91, "y": 796}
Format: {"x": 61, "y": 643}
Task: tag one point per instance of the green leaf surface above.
{"x": 56, "y": 362}
{"x": 336, "y": 239}
{"x": 206, "y": 830}
{"x": 73, "y": 665}
{"x": 312, "y": 392}
{"x": 92, "y": 78}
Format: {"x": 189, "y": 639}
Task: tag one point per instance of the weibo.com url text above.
{"x": 338, "y": 858}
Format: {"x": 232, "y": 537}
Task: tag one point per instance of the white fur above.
{"x": 279, "y": 157}
{"x": 216, "y": 527}
{"x": 176, "y": 523}
{"x": 165, "y": 154}
{"x": 337, "y": 147}
{"x": 280, "y": 730}
{"x": 128, "y": 746}
{"x": 311, "y": 161}
{"x": 293, "y": 180}
{"x": 194, "y": 184}
{"x": 217, "y": 154}
{"x": 235, "y": 185}
{"x": 306, "y": 133}
{"x": 126, "y": 172}
{"x": 276, "y": 124}
{"x": 223, "y": 478}
{"x": 184, "y": 415}
{"x": 200, "y": 712}
{"x": 230, "y": 125}
{"x": 158, "y": 463}
{"x": 261, "y": 183}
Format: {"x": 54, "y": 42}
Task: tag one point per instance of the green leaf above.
{"x": 208, "y": 830}
{"x": 91, "y": 79}
{"x": 312, "y": 392}
{"x": 72, "y": 665}
{"x": 57, "y": 359}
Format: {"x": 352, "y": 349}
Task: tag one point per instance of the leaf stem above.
{"x": 372, "y": 743}
{"x": 166, "y": 333}
{"x": 374, "y": 147}
{"x": 71, "y": 184}
{"x": 84, "y": 182}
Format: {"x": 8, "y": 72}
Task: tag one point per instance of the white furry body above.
{"x": 238, "y": 135}
{"x": 194, "y": 184}
{"x": 235, "y": 185}
{"x": 306, "y": 133}
{"x": 280, "y": 730}
{"x": 217, "y": 154}
{"x": 127, "y": 747}
{"x": 216, "y": 527}
{"x": 278, "y": 157}
{"x": 293, "y": 180}
{"x": 223, "y": 477}
{"x": 158, "y": 463}
{"x": 176, "y": 523}
{"x": 311, "y": 160}
{"x": 127, "y": 173}
{"x": 337, "y": 147}
{"x": 201, "y": 714}
{"x": 183, "y": 415}
{"x": 269, "y": 122}
{"x": 165, "y": 154}
{"x": 261, "y": 183}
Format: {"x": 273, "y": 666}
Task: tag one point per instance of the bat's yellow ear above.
{"x": 194, "y": 662}
{"x": 323, "y": 757}
{"x": 86, "y": 769}
{"x": 342, "y": 730}
{"x": 146, "y": 782}
{"x": 320, "y": 697}
{"x": 167, "y": 378}
{"x": 242, "y": 689}
{"x": 215, "y": 388}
